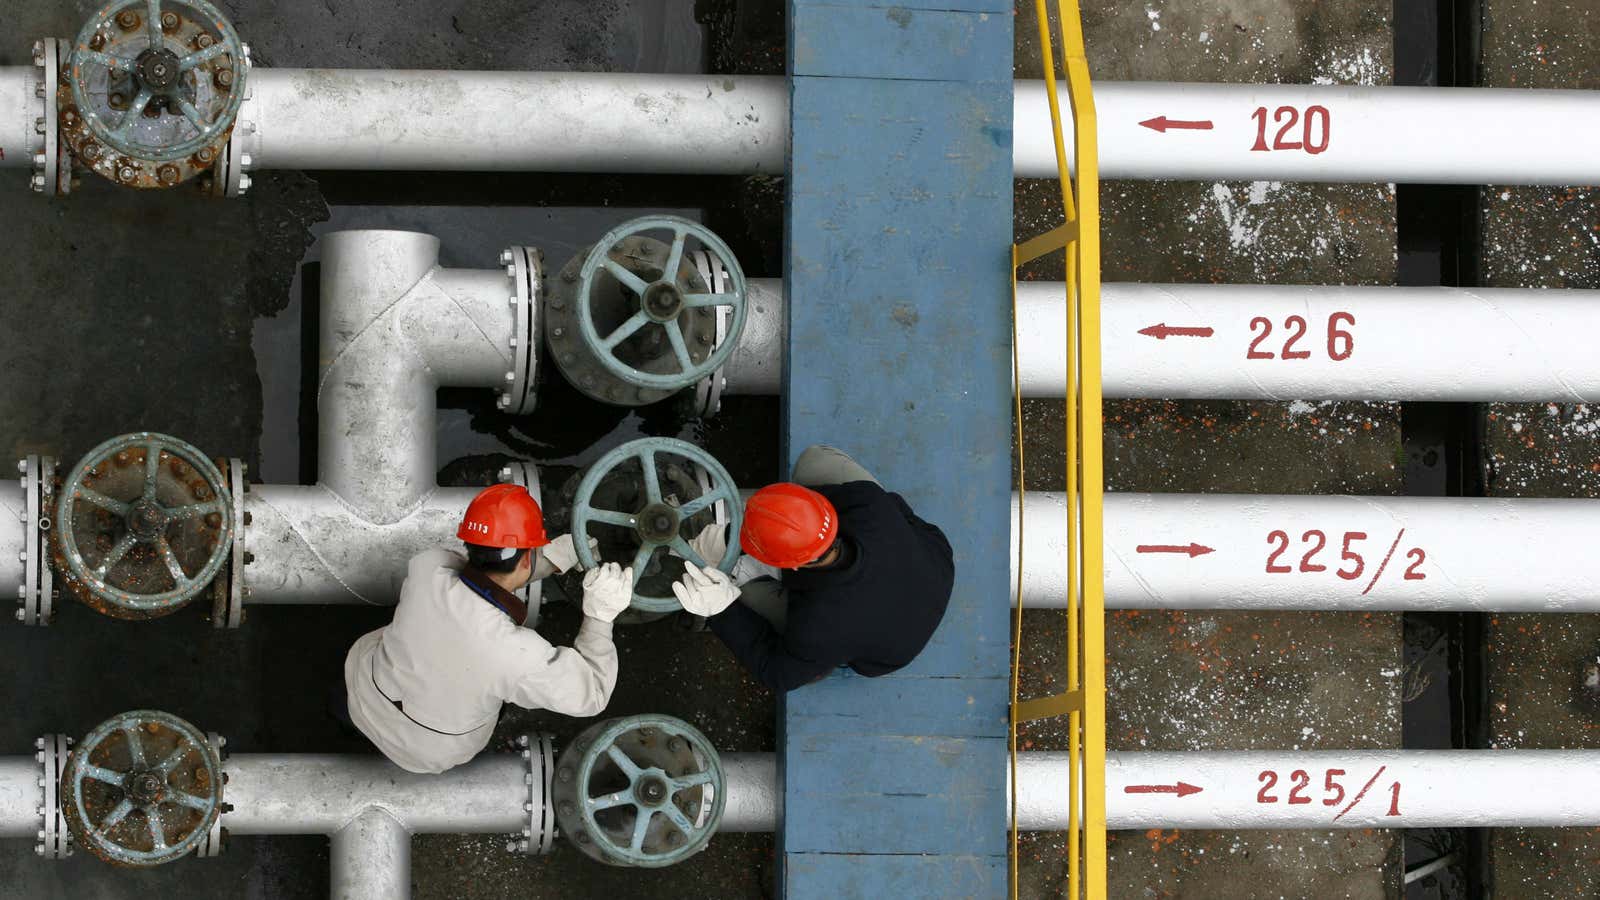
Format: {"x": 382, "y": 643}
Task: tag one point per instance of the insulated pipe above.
{"x": 371, "y": 858}
{"x": 18, "y": 110}
{"x": 1223, "y": 551}
{"x": 309, "y": 546}
{"x": 515, "y": 121}
{"x": 20, "y": 797}
{"x": 13, "y": 537}
{"x": 1229, "y": 341}
{"x": 394, "y": 328}
{"x": 1325, "y": 789}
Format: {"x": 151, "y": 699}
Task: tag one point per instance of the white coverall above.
{"x": 452, "y": 658}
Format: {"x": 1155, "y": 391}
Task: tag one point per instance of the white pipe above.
{"x": 20, "y": 797}
{"x": 515, "y": 121}
{"x": 19, "y": 108}
{"x": 607, "y": 122}
{"x": 394, "y": 328}
{"x": 1364, "y": 343}
{"x": 371, "y": 859}
{"x": 1366, "y": 134}
{"x": 309, "y": 546}
{"x": 1324, "y": 789}
{"x": 1451, "y": 556}
{"x": 13, "y": 536}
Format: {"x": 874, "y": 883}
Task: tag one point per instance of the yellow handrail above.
{"x": 1083, "y": 700}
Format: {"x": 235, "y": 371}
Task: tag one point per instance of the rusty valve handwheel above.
{"x": 155, "y": 88}
{"x": 143, "y": 525}
{"x": 142, "y": 789}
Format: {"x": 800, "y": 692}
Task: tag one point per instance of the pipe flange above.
{"x": 228, "y": 610}
{"x": 54, "y": 840}
{"x": 143, "y": 525}
{"x": 539, "y": 835}
{"x": 142, "y": 789}
{"x": 708, "y": 391}
{"x": 230, "y": 176}
{"x": 524, "y": 473}
{"x": 525, "y": 267}
{"x": 37, "y": 594}
{"x": 216, "y": 838}
{"x": 149, "y": 101}
{"x": 52, "y": 169}
{"x": 646, "y": 791}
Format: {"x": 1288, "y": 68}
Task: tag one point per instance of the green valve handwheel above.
{"x": 656, "y": 521}
{"x": 645, "y": 791}
{"x": 154, "y": 87}
{"x": 142, "y": 789}
{"x": 143, "y": 525}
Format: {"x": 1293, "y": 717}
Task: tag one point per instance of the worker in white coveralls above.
{"x": 427, "y": 689}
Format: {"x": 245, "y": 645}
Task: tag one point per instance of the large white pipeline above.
{"x": 1281, "y": 342}
{"x": 711, "y": 124}
{"x": 1235, "y": 551}
{"x": 13, "y": 537}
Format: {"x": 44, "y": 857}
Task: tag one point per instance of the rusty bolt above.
{"x": 91, "y": 151}
{"x": 213, "y": 520}
{"x": 168, "y": 175}
{"x": 69, "y": 116}
{"x": 127, "y": 173}
{"x": 170, "y": 22}
{"x": 206, "y": 156}
{"x": 224, "y": 78}
{"x": 202, "y": 492}
{"x": 203, "y": 41}
{"x": 128, "y": 20}
{"x": 98, "y": 42}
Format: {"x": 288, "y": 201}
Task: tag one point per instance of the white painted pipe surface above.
{"x": 1286, "y": 132}
{"x": 515, "y": 121}
{"x": 1282, "y": 342}
{"x": 13, "y": 536}
{"x": 310, "y": 546}
{"x": 1213, "y": 551}
{"x": 19, "y": 108}
{"x": 20, "y": 797}
{"x": 370, "y": 859}
{"x": 394, "y": 328}
{"x": 1325, "y": 789}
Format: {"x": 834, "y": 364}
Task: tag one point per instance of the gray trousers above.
{"x": 818, "y": 465}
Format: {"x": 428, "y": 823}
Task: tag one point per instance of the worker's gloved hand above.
{"x": 711, "y": 543}
{"x": 705, "y": 590}
{"x": 607, "y": 591}
{"x": 563, "y": 554}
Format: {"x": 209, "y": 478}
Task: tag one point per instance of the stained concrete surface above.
{"x": 1542, "y": 237}
{"x": 1230, "y": 680}
{"x": 134, "y": 311}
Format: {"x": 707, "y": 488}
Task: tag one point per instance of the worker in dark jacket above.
{"x": 864, "y": 582}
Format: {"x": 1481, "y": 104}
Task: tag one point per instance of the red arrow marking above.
{"x": 1182, "y": 789}
{"x": 1162, "y": 123}
{"x": 1192, "y": 550}
{"x": 1161, "y": 331}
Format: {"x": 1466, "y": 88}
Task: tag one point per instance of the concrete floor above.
{"x": 1231, "y": 680}
{"x": 1546, "y": 238}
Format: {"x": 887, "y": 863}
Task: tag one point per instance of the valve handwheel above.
{"x": 644, "y": 791}
{"x": 144, "y": 523}
{"x": 155, "y": 87}
{"x": 658, "y": 523}
{"x": 142, "y": 789}
{"x": 661, "y": 300}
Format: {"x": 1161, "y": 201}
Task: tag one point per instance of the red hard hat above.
{"x": 504, "y": 516}
{"x": 787, "y": 526}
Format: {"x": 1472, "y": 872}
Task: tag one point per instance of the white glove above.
{"x": 607, "y": 591}
{"x": 563, "y": 554}
{"x": 711, "y": 543}
{"x": 705, "y": 591}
